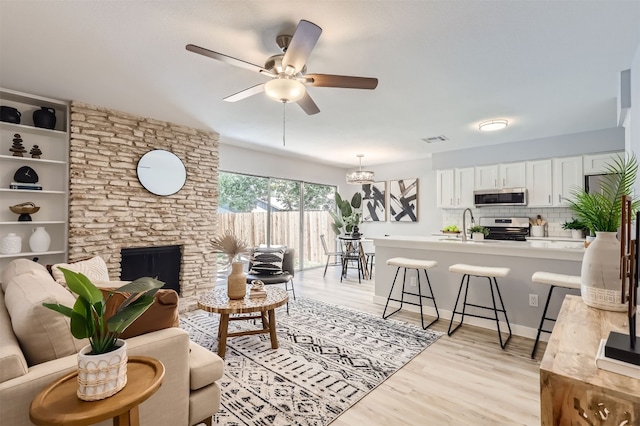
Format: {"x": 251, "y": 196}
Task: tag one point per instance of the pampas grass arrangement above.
{"x": 230, "y": 245}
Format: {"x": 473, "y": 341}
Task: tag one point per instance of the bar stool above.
{"x": 401, "y": 262}
{"x": 491, "y": 273}
{"x": 554, "y": 280}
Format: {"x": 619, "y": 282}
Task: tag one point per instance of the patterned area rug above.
{"x": 328, "y": 358}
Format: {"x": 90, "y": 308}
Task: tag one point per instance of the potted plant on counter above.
{"x": 576, "y": 227}
{"x": 478, "y": 232}
{"x": 601, "y": 212}
{"x": 102, "y": 365}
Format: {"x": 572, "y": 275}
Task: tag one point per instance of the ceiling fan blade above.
{"x": 344, "y": 81}
{"x": 303, "y": 41}
{"x": 226, "y": 59}
{"x": 307, "y": 104}
{"x": 253, "y": 90}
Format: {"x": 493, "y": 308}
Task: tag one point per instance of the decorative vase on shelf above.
{"x": 39, "y": 240}
{"x": 11, "y": 244}
{"x": 236, "y": 282}
{"x": 600, "y": 275}
{"x": 477, "y": 236}
{"x": 45, "y": 118}
{"x": 103, "y": 375}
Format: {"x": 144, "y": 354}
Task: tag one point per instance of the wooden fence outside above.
{"x": 285, "y": 230}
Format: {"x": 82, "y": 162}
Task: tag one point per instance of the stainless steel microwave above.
{"x": 500, "y": 197}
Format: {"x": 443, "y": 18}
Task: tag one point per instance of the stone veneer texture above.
{"x": 110, "y": 210}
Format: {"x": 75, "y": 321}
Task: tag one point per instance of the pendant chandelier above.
{"x": 360, "y": 176}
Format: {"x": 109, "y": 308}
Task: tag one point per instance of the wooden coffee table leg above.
{"x": 222, "y": 332}
{"x": 272, "y": 329}
{"x": 265, "y": 322}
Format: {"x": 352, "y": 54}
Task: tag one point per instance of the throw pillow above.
{"x": 163, "y": 313}
{"x": 21, "y": 266}
{"x": 267, "y": 260}
{"x": 94, "y": 268}
{"x": 43, "y": 334}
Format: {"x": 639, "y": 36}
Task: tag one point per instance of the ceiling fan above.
{"x": 288, "y": 70}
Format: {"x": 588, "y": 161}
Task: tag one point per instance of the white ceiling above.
{"x": 549, "y": 67}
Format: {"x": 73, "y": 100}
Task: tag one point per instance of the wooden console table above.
{"x": 573, "y": 390}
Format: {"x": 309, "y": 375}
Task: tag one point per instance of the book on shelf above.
{"x": 605, "y": 363}
{"x": 253, "y": 294}
{"x": 23, "y": 185}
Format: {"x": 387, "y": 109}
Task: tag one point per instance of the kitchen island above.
{"x": 522, "y": 257}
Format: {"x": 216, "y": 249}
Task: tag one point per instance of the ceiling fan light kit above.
{"x": 360, "y": 177}
{"x": 284, "y": 89}
{"x": 491, "y": 125}
{"x": 288, "y": 71}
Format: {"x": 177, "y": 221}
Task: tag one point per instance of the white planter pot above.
{"x": 576, "y": 234}
{"x": 477, "y": 236}
{"x": 600, "y": 275}
{"x": 101, "y": 376}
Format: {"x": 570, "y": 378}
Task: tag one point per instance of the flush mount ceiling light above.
{"x": 284, "y": 89}
{"x": 491, "y": 125}
{"x": 360, "y": 176}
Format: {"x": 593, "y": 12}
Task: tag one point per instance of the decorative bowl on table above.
{"x": 24, "y": 210}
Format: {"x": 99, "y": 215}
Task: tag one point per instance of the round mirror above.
{"x": 161, "y": 172}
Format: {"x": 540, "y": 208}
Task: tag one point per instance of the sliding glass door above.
{"x": 264, "y": 210}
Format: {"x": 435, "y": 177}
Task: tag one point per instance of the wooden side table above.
{"x": 573, "y": 390}
{"x": 217, "y": 301}
{"x": 58, "y": 403}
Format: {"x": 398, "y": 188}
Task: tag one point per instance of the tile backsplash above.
{"x": 555, "y": 216}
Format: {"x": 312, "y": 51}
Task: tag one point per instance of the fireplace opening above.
{"x": 162, "y": 263}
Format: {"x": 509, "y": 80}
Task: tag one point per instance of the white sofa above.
{"x": 36, "y": 348}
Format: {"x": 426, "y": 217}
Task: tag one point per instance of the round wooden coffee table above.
{"x": 218, "y": 302}
{"x": 58, "y": 403}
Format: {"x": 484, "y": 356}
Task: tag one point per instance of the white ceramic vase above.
{"x": 39, "y": 240}
{"x": 11, "y": 244}
{"x": 477, "y": 236}
{"x": 103, "y": 375}
{"x": 601, "y": 286}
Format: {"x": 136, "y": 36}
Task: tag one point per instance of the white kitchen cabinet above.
{"x": 595, "y": 164}
{"x": 512, "y": 175}
{"x": 53, "y": 175}
{"x": 445, "y": 191}
{"x": 567, "y": 176}
{"x": 539, "y": 176}
{"x": 464, "y": 186}
{"x": 495, "y": 176}
{"x": 486, "y": 177}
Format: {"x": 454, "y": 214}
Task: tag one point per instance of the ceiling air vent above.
{"x": 433, "y": 139}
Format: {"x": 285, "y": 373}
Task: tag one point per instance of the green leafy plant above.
{"x": 600, "y": 211}
{"x": 574, "y": 224}
{"x": 349, "y": 215}
{"x": 88, "y": 312}
{"x": 478, "y": 228}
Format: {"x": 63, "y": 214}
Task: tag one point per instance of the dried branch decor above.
{"x": 229, "y": 244}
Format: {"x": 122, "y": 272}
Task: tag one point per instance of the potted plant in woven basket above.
{"x": 102, "y": 365}
{"x": 234, "y": 248}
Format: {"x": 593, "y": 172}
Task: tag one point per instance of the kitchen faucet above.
{"x": 464, "y": 223}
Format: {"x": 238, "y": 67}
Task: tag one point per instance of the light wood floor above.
{"x": 465, "y": 379}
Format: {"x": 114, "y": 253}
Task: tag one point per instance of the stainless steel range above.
{"x": 506, "y": 228}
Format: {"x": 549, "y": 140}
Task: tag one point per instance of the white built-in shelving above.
{"x": 53, "y": 173}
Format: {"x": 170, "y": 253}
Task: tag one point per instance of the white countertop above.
{"x": 538, "y": 248}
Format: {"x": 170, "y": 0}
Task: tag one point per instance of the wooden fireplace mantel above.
{"x": 573, "y": 390}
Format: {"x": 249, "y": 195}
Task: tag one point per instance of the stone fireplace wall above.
{"x": 110, "y": 210}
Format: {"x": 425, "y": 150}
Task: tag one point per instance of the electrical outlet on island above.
{"x": 412, "y": 282}
{"x": 533, "y": 300}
